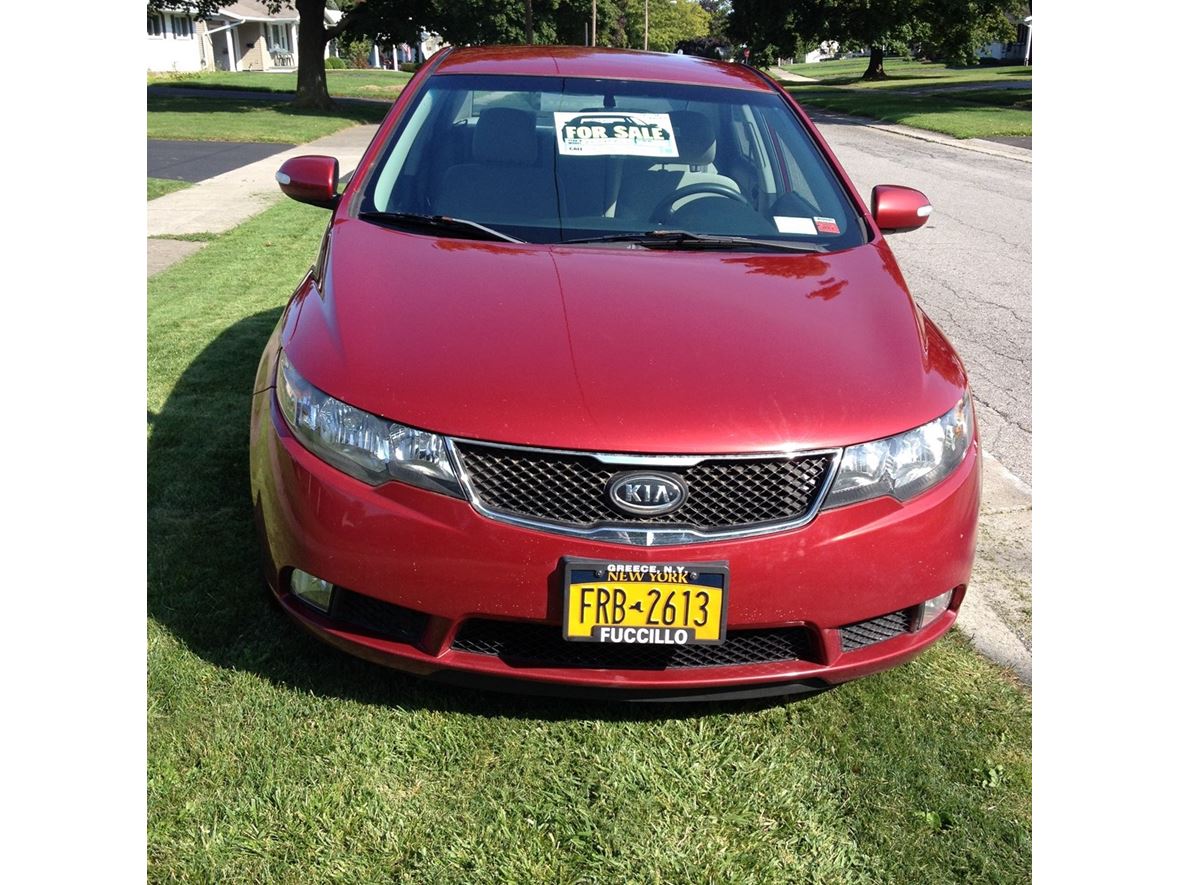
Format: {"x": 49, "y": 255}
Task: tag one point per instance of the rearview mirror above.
{"x": 898, "y": 209}
{"x": 311, "y": 179}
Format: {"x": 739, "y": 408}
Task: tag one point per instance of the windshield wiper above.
{"x": 437, "y": 222}
{"x": 682, "y": 239}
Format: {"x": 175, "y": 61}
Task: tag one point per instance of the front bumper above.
{"x": 447, "y": 566}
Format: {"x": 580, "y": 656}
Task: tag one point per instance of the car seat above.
{"x": 644, "y": 186}
{"x": 505, "y": 180}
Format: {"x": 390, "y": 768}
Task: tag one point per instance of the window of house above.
{"x": 155, "y": 25}
{"x": 182, "y": 27}
{"x": 276, "y": 37}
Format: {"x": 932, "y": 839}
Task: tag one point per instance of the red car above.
{"x": 606, "y": 381}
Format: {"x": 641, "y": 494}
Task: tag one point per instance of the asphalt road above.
{"x": 198, "y": 160}
{"x": 970, "y": 267}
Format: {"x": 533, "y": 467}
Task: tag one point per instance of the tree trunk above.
{"x": 876, "y": 69}
{"x": 528, "y": 21}
{"x": 311, "y": 87}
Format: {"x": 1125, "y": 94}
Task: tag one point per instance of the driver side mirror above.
{"x": 311, "y": 179}
{"x": 899, "y": 209}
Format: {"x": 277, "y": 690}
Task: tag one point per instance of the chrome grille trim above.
{"x": 643, "y": 536}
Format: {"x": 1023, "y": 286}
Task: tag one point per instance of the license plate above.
{"x": 645, "y": 603}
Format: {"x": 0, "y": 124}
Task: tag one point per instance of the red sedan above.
{"x": 605, "y": 380}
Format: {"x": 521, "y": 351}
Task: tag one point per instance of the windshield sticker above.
{"x": 826, "y": 225}
{"x": 606, "y": 133}
{"x": 787, "y": 224}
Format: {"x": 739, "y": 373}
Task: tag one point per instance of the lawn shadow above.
{"x": 854, "y": 79}
{"x": 205, "y": 583}
{"x": 222, "y": 100}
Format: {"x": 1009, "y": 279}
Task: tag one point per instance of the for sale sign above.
{"x": 606, "y": 133}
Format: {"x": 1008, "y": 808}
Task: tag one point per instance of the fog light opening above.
{"x": 929, "y": 611}
{"x": 316, "y": 592}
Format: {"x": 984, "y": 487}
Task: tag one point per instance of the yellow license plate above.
{"x": 645, "y": 603}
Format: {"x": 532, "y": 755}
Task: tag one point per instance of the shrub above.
{"x": 765, "y": 57}
{"x": 357, "y": 53}
{"x": 331, "y": 63}
{"x": 409, "y": 67}
{"x": 174, "y": 76}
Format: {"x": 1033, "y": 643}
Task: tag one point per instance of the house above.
{"x": 1018, "y": 51}
{"x": 826, "y": 50}
{"x": 245, "y": 36}
{"x": 391, "y": 56}
{"x": 173, "y": 42}
{"x": 241, "y": 36}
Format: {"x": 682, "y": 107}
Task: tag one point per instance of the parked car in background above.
{"x": 606, "y": 380}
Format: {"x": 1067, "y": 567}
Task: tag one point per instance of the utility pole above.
{"x": 593, "y": 22}
{"x": 528, "y": 21}
{"x": 645, "y": 25}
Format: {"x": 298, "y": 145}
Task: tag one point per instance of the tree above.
{"x": 956, "y": 38}
{"x": 876, "y": 25}
{"x": 769, "y": 28}
{"x": 718, "y": 11}
{"x": 958, "y": 28}
{"x": 670, "y": 21}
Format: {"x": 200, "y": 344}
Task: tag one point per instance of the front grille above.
{"x": 538, "y": 645}
{"x": 382, "y": 619}
{"x": 862, "y": 633}
{"x": 572, "y": 489}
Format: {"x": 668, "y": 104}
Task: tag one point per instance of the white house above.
{"x": 827, "y": 49}
{"x": 246, "y": 36}
{"x": 241, "y": 36}
{"x": 173, "y": 43}
{"x": 392, "y": 56}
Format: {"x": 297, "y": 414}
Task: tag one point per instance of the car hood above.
{"x": 624, "y": 350}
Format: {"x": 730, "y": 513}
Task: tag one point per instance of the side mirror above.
{"x": 311, "y": 179}
{"x": 898, "y": 209}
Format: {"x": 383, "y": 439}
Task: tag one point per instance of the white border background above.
{"x": 1105, "y": 323}
{"x": 1105, "y": 287}
{"x": 74, "y": 330}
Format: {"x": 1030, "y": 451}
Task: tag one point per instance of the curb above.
{"x": 977, "y": 145}
{"x": 1001, "y": 580}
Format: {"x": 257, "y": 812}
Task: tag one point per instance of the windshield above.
{"x": 552, "y": 159}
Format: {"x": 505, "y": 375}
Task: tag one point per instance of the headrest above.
{"x": 505, "y": 135}
{"x": 695, "y": 137}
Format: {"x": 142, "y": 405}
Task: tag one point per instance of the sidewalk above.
{"x": 217, "y": 204}
{"x": 781, "y": 74}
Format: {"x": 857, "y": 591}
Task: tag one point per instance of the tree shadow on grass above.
{"x": 361, "y": 111}
{"x": 205, "y": 583}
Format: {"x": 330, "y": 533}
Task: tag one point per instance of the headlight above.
{"x": 361, "y": 444}
{"x": 906, "y": 464}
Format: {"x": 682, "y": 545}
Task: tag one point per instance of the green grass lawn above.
{"x": 274, "y": 758}
{"x": 341, "y": 84}
{"x": 222, "y": 119}
{"x": 940, "y": 107}
{"x": 908, "y": 73}
{"x": 157, "y": 187}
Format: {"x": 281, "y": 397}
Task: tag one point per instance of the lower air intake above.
{"x": 540, "y": 645}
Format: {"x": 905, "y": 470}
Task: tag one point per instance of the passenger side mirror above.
{"x": 311, "y": 179}
{"x": 899, "y": 209}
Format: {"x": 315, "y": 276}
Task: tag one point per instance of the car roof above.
{"x": 608, "y": 64}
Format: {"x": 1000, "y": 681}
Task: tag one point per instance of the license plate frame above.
{"x": 669, "y": 579}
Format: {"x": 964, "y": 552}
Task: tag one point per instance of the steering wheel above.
{"x": 664, "y": 209}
